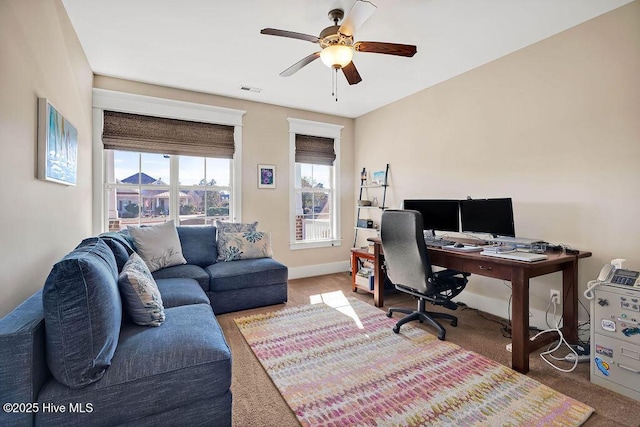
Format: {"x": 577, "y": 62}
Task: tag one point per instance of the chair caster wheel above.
{"x": 396, "y": 329}
{"x": 389, "y": 314}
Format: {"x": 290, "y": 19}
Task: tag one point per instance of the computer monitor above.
{"x": 441, "y": 215}
{"x": 493, "y": 216}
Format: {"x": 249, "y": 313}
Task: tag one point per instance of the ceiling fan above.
{"x": 338, "y": 44}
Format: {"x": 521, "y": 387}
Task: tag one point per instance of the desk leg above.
{"x": 570, "y": 301}
{"x": 378, "y": 284}
{"x": 354, "y": 270}
{"x": 520, "y": 321}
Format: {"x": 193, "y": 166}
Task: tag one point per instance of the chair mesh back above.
{"x": 405, "y": 251}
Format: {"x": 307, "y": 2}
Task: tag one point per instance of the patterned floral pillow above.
{"x": 247, "y": 245}
{"x": 235, "y": 227}
{"x": 140, "y": 294}
{"x": 232, "y": 227}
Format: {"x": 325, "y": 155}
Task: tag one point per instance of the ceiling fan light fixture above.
{"x": 337, "y": 55}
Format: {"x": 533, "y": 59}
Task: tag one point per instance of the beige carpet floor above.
{"x": 257, "y": 402}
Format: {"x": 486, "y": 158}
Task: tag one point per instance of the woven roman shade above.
{"x": 315, "y": 150}
{"x": 135, "y": 132}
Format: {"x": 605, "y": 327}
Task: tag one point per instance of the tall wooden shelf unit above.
{"x": 364, "y": 187}
{"x": 362, "y": 256}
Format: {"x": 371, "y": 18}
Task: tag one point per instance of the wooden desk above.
{"x": 518, "y": 273}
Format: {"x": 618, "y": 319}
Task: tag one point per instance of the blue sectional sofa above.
{"x": 70, "y": 356}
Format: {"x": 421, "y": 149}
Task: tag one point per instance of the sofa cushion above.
{"x": 83, "y": 314}
{"x": 184, "y": 271}
{"x": 247, "y": 245}
{"x": 247, "y": 273}
{"x": 154, "y": 370}
{"x": 198, "y": 244}
{"x": 158, "y": 245}
{"x": 140, "y": 294}
{"x": 120, "y": 247}
{"x": 181, "y": 291}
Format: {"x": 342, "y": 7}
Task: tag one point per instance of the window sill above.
{"x": 314, "y": 244}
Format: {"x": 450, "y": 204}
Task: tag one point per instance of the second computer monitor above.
{"x": 492, "y": 216}
{"x": 441, "y": 215}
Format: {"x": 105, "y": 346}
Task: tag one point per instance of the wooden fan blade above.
{"x": 290, "y": 34}
{"x": 386, "y": 48}
{"x": 298, "y": 65}
{"x": 351, "y": 73}
{"x": 359, "y": 13}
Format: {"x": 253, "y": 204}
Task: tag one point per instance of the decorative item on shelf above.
{"x": 374, "y": 202}
{"x": 365, "y": 223}
{"x": 365, "y": 277}
{"x": 379, "y": 178}
{"x": 364, "y": 203}
{"x": 266, "y": 176}
{"x": 57, "y": 146}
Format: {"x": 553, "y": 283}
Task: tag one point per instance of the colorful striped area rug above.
{"x": 338, "y": 363}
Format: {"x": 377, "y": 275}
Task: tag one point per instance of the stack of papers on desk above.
{"x": 465, "y": 248}
{"x": 516, "y": 255}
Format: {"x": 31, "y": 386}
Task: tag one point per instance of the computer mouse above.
{"x": 458, "y": 245}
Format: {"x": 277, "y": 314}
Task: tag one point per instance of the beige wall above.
{"x": 555, "y": 126}
{"x": 40, "y": 56}
{"x": 265, "y": 140}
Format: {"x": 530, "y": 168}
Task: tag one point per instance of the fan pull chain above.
{"x": 334, "y": 84}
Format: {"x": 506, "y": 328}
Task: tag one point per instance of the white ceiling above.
{"x": 215, "y": 46}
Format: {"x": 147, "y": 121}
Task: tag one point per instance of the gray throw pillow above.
{"x": 140, "y": 294}
{"x": 158, "y": 245}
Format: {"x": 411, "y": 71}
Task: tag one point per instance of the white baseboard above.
{"x": 318, "y": 269}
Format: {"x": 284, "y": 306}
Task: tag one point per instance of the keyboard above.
{"x": 516, "y": 255}
{"x": 438, "y": 243}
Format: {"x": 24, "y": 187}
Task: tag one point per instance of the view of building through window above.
{"x": 141, "y": 189}
{"x": 314, "y": 215}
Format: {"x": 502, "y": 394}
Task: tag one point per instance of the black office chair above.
{"x": 409, "y": 268}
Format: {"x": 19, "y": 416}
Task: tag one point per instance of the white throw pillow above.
{"x": 159, "y": 245}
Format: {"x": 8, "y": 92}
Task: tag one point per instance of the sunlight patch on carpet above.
{"x": 337, "y": 362}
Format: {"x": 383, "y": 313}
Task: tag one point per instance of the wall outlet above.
{"x": 555, "y": 296}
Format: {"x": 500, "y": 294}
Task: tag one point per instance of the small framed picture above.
{"x": 378, "y": 178}
{"x": 57, "y": 146}
{"x": 266, "y": 176}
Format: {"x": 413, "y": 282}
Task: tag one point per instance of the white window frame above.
{"x": 325, "y": 130}
{"x": 159, "y": 107}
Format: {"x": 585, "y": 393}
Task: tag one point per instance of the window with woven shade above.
{"x": 315, "y": 170}
{"x": 160, "y": 168}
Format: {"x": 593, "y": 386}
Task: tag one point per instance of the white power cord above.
{"x": 560, "y": 342}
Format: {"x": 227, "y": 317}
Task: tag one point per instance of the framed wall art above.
{"x": 57, "y": 146}
{"x": 266, "y": 176}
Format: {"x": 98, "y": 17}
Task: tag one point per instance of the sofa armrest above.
{"x": 23, "y": 364}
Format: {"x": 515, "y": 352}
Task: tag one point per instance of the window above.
{"x": 141, "y": 189}
{"x": 158, "y": 159}
{"x": 314, "y": 153}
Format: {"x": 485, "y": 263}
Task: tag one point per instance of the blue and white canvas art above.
{"x": 57, "y": 146}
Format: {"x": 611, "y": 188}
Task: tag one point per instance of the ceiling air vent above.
{"x": 251, "y": 89}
